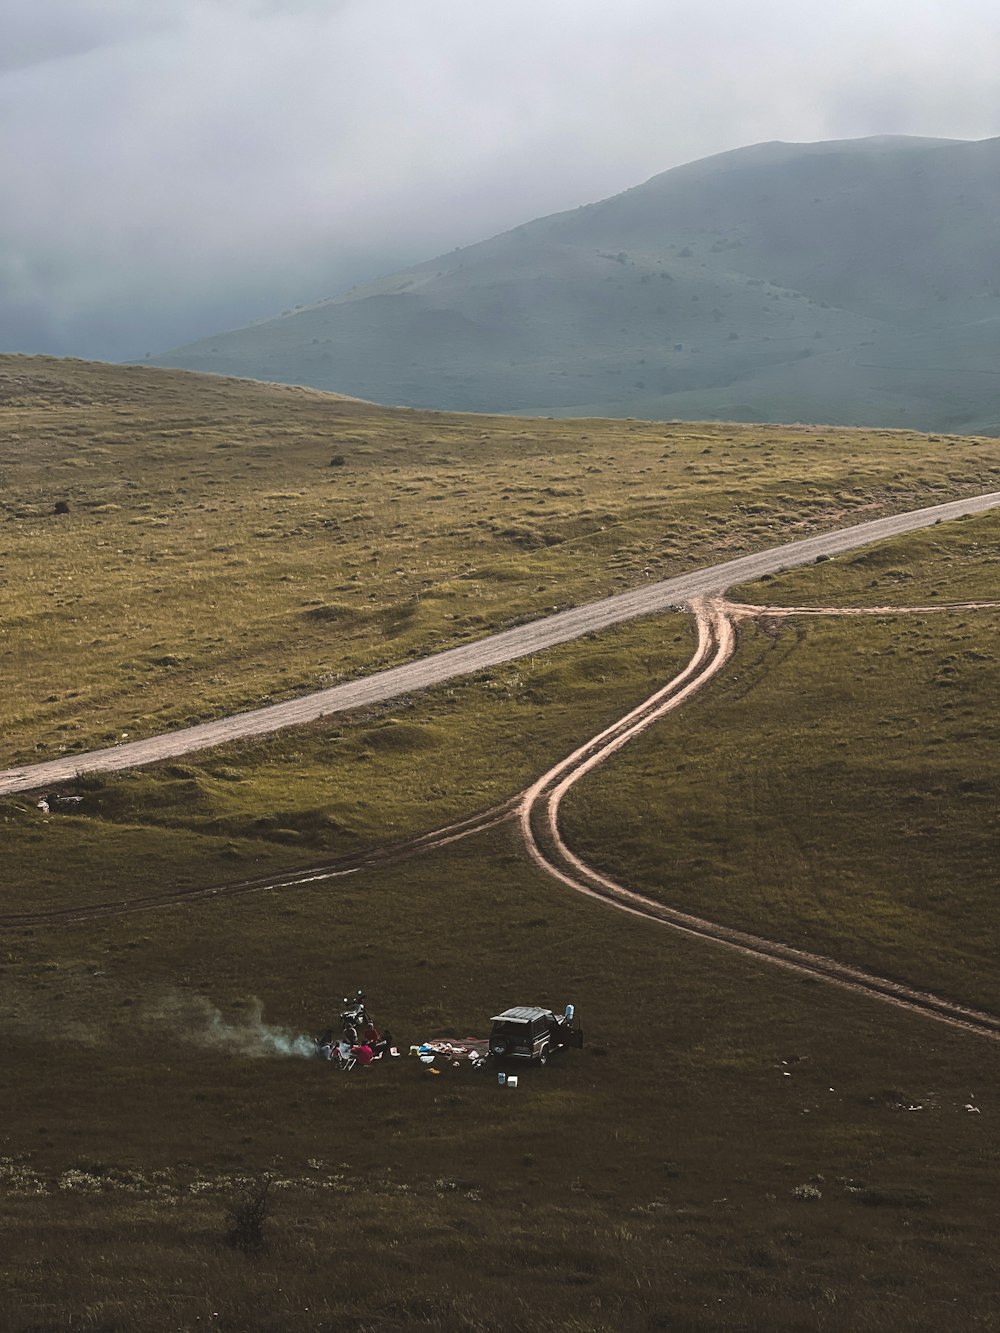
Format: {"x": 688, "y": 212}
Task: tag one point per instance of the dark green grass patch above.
{"x": 722, "y": 1153}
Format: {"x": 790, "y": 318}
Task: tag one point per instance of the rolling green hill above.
{"x": 853, "y": 282}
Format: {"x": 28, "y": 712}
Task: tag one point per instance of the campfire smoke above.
{"x": 246, "y": 1034}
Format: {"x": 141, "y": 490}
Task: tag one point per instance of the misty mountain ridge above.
{"x": 854, "y": 282}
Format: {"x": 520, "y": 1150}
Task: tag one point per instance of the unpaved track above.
{"x": 747, "y": 611}
{"x": 338, "y": 869}
{"x": 538, "y": 818}
{"x": 497, "y": 648}
{"x": 539, "y": 806}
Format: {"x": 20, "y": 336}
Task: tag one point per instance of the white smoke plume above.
{"x": 247, "y": 1034}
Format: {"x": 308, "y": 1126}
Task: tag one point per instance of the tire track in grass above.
{"x": 539, "y": 810}
{"x": 748, "y": 611}
{"x": 389, "y": 855}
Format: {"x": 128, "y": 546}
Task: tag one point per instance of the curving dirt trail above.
{"x": 537, "y": 814}
{"x": 538, "y": 817}
{"x": 491, "y": 651}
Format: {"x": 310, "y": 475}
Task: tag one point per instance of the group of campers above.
{"x": 359, "y": 1041}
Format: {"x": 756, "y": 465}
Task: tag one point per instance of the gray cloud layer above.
{"x": 187, "y": 165}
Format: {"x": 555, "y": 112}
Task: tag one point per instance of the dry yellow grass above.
{"x": 229, "y": 542}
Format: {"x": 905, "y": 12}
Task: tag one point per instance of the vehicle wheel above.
{"x": 498, "y": 1047}
{"x": 543, "y": 1056}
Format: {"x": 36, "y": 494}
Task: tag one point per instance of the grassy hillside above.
{"x": 228, "y": 543}
{"x": 735, "y": 1148}
{"x": 850, "y": 282}
{"x": 757, "y": 1161}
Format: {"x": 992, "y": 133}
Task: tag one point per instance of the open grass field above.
{"x": 229, "y": 543}
{"x": 957, "y": 562}
{"x": 735, "y": 1148}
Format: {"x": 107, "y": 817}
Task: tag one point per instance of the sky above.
{"x": 175, "y": 168}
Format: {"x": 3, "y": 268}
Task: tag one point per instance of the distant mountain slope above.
{"x": 854, "y": 282}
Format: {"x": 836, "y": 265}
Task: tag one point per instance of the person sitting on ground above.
{"x": 363, "y": 1054}
{"x": 383, "y": 1046}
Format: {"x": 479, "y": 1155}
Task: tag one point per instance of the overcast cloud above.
{"x": 176, "y": 167}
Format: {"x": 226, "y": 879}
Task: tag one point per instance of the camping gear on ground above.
{"x": 474, "y": 1049}
{"x": 525, "y": 1032}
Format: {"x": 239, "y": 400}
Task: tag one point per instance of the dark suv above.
{"x": 529, "y": 1033}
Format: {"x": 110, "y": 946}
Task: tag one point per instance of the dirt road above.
{"x": 538, "y": 819}
{"x": 536, "y": 812}
{"x": 490, "y": 651}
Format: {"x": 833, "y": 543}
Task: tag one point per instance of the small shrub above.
{"x": 249, "y": 1214}
{"x": 808, "y": 1193}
